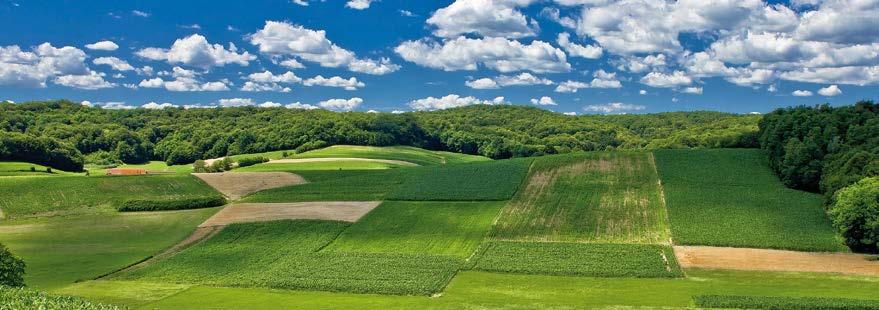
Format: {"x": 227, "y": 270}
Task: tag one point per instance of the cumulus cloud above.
{"x": 489, "y": 18}
{"x": 451, "y": 101}
{"x": 158, "y": 106}
{"x": 115, "y": 63}
{"x": 282, "y": 40}
{"x": 235, "y": 102}
{"x": 602, "y": 79}
{"x": 341, "y": 104}
{"x": 103, "y": 46}
{"x": 494, "y": 53}
{"x": 830, "y": 91}
{"x": 692, "y": 90}
{"x": 195, "y": 51}
{"x": 336, "y": 81}
{"x": 32, "y": 68}
{"x": 801, "y": 93}
{"x": 268, "y": 81}
{"x": 358, "y": 4}
{"x": 613, "y": 108}
{"x": 662, "y": 80}
{"x": 545, "y": 100}
{"x": 184, "y": 81}
{"x": 576, "y": 50}
{"x": 521, "y": 79}
{"x": 91, "y": 81}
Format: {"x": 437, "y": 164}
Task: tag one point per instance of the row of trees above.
{"x": 183, "y": 136}
{"x": 834, "y": 151}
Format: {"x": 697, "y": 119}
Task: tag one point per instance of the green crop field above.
{"x": 153, "y": 166}
{"x": 448, "y": 228}
{"x": 286, "y": 254}
{"x": 22, "y": 298}
{"x": 578, "y": 259}
{"x": 405, "y": 153}
{"x": 588, "y": 197}
{"x": 30, "y": 196}
{"x": 351, "y": 185}
{"x": 729, "y": 197}
{"x": 61, "y": 250}
{"x": 15, "y": 168}
{"x": 496, "y": 180}
{"x": 328, "y": 165}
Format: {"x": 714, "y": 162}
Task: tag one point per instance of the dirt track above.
{"x": 349, "y": 211}
{"x": 238, "y": 184}
{"x": 326, "y": 159}
{"x": 774, "y": 260}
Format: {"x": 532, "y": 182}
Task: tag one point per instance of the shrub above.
{"x": 22, "y": 298}
{"x": 855, "y": 214}
{"x": 177, "y": 204}
{"x": 11, "y": 269}
{"x": 311, "y": 145}
{"x": 199, "y": 166}
{"x": 250, "y": 161}
{"x": 765, "y": 302}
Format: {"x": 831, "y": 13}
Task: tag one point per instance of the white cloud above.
{"x": 115, "y": 63}
{"x": 102, "y": 46}
{"x": 830, "y": 91}
{"x": 407, "y": 14}
{"x": 602, "y": 79}
{"x": 692, "y": 90}
{"x": 336, "y": 81}
{"x": 269, "y": 104}
{"x": 488, "y": 18}
{"x": 521, "y": 79}
{"x": 545, "y": 100}
{"x": 451, "y": 101}
{"x": 236, "y": 102}
{"x": 152, "y": 83}
{"x": 140, "y": 13}
{"x": 358, "y": 4}
{"x": 301, "y": 106}
{"x": 91, "y": 81}
{"x": 841, "y": 21}
{"x": 576, "y": 50}
{"x": 184, "y": 84}
{"x": 267, "y": 81}
{"x": 285, "y": 40}
{"x": 802, "y": 93}
{"x": 841, "y": 75}
{"x": 495, "y": 53}
{"x": 570, "y": 113}
{"x": 772, "y": 88}
{"x": 341, "y": 104}
{"x": 483, "y": 83}
{"x": 614, "y": 107}
{"x": 157, "y": 106}
{"x": 292, "y": 64}
{"x": 301, "y": 2}
{"x": 642, "y": 92}
{"x": 195, "y": 51}
{"x": 643, "y": 64}
{"x": 662, "y": 80}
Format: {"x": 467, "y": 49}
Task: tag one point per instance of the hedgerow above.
{"x": 250, "y": 161}
{"x": 22, "y": 298}
{"x": 783, "y": 303}
{"x": 578, "y": 259}
{"x": 176, "y": 204}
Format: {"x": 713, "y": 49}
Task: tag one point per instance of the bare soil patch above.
{"x": 239, "y": 184}
{"x": 348, "y": 211}
{"x": 312, "y": 160}
{"x": 774, "y": 260}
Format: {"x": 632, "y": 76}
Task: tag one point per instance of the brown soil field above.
{"x": 774, "y": 260}
{"x": 349, "y": 211}
{"x": 239, "y": 184}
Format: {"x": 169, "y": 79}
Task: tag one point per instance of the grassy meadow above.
{"x": 152, "y": 166}
{"x": 588, "y": 197}
{"x": 730, "y": 197}
{"x": 328, "y": 165}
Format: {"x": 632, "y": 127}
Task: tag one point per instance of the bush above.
{"x": 179, "y": 204}
{"x": 11, "y": 269}
{"x": 22, "y": 298}
{"x": 250, "y": 161}
{"x": 764, "y": 302}
{"x": 311, "y": 145}
{"x": 855, "y": 214}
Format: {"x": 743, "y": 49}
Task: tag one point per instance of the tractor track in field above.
{"x": 774, "y": 260}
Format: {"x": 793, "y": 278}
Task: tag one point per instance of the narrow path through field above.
{"x": 774, "y": 260}
{"x": 348, "y": 211}
{"x": 238, "y": 184}
{"x": 330, "y": 159}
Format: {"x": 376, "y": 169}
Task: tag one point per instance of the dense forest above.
{"x": 66, "y": 135}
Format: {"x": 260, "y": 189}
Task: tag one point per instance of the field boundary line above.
{"x": 199, "y": 235}
{"x": 662, "y": 200}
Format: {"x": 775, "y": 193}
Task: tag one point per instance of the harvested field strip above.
{"x": 609, "y": 197}
{"x": 730, "y": 197}
{"x": 347, "y": 211}
{"x": 578, "y": 259}
{"x": 495, "y": 180}
{"x": 283, "y": 254}
{"x": 448, "y": 228}
{"x": 774, "y": 260}
{"x": 237, "y": 185}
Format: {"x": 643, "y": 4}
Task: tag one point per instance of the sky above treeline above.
{"x": 569, "y": 56}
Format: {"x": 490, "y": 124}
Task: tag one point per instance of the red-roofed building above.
{"x": 126, "y": 171}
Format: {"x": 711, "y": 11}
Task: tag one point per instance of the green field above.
{"x": 481, "y": 290}
{"x": 729, "y": 197}
{"x": 405, "y": 153}
{"x": 153, "y": 166}
{"x": 328, "y": 165}
{"x": 448, "y": 228}
{"x": 15, "y": 168}
{"x": 354, "y": 185}
{"x": 609, "y": 197}
{"x": 61, "y": 250}
{"x": 496, "y": 180}
{"x": 286, "y": 254}
{"x": 23, "y": 298}
{"x": 36, "y": 196}
{"x": 578, "y": 259}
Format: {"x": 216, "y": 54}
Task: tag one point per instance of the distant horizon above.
{"x": 567, "y": 56}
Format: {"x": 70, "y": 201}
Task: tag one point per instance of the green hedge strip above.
{"x": 178, "y": 204}
{"x": 766, "y": 302}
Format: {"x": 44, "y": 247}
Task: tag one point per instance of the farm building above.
{"x": 126, "y": 171}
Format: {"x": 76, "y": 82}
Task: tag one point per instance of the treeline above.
{"x": 822, "y": 148}
{"x": 68, "y": 130}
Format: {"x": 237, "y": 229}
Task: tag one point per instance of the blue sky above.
{"x": 581, "y": 56}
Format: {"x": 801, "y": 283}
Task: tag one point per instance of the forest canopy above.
{"x": 65, "y": 135}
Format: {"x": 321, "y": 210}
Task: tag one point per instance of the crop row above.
{"x": 765, "y": 302}
{"x": 23, "y": 298}
{"x": 175, "y": 204}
